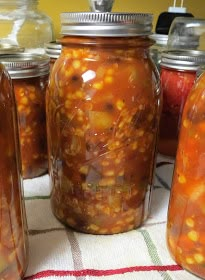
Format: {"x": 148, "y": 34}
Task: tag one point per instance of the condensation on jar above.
{"x": 53, "y": 50}
{"x": 29, "y": 73}
{"x": 13, "y": 225}
{"x": 186, "y": 213}
{"x": 178, "y": 74}
{"x": 103, "y": 107}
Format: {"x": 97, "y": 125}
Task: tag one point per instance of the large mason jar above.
{"x": 103, "y": 105}
{"x": 186, "y": 215}
{"x": 13, "y": 226}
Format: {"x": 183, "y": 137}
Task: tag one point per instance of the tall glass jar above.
{"x": 103, "y": 106}
{"x": 29, "y": 73}
{"x": 13, "y": 226}
{"x": 178, "y": 74}
{"x": 24, "y": 25}
{"x": 186, "y": 215}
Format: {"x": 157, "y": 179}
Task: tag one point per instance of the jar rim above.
{"x": 183, "y": 59}
{"x": 53, "y": 49}
{"x": 25, "y": 65}
{"x": 106, "y": 24}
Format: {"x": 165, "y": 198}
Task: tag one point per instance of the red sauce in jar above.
{"x": 178, "y": 74}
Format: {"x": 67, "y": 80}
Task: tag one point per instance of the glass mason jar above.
{"x": 185, "y": 231}
{"x": 178, "y": 74}
{"x": 159, "y": 46}
{"x": 24, "y": 25}
{"x": 29, "y": 73}
{"x": 103, "y": 105}
{"x": 13, "y": 225}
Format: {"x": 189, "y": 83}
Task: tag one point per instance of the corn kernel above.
{"x": 199, "y": 258}
{"x": 105, "y": 163}
{"x": 104, "y": 182}
{"x": 68, "y": 104}
{"x": 94, "y": 227}
{"x": 120, "y": 104}
{"x": 189, "y": 260}
{"x": 98, "y": 86}
{"x": 79, "y": 94}
{"x": 110, "y": 71}
{"x": 24, "y": 100}
{"x": 32, "y": 96}
{"x": 108, "y": 80}
{"x": 186, "y": 123}
{"x": 109, "y": 173}
{"x": 76, "y": 64}
{"x": 182, "y": 179}
{"x": 193, "y": 235}
{"x": 134, "y": 145}
{"x": 20, "y": 108}
{"x": 190, "y": 222}
{"x": 84, "y": 169}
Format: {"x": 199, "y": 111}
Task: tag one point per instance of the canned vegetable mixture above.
{"x": 102, "y": 118}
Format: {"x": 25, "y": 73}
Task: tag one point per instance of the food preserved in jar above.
{"x": 13, "y": 226}
{"x": 186, "y": 231}
{"x": 178, "y": 74}
{"x": 29, "y": 75}
{"x": 103, "y": 106}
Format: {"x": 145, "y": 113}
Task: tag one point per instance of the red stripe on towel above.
{"x": 96, "y": 273}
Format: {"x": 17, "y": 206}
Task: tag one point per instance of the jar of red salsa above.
{"x": 13, "y": 226}
{"x": 29, "y": 73}
{"x": 178, "y": 74}
{"x": 103, "y": 106}
{"x": 186, "y": 215}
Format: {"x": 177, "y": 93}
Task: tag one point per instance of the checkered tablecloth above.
{"x": 56, "y": 252}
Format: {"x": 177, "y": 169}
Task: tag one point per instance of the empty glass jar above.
{"x": 24, "y": 25}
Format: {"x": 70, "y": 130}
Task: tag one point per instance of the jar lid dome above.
{"x": 106, "y": 24}
{"x": 183, "y": 59}
{"x": 25, "y": 65}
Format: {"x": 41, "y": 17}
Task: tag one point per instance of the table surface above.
{"x": 56, "y": 252}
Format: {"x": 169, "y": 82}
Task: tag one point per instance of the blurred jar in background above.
{"x": 186, "y": 214}
{"x": 103, "y": 109}
{"x": 187, "y": 33}
{"x": 22, "y": 24}
{"x": 29, "y": 73}
{"x": 13, "y": 225}
{"x": 178, "y": 74}
{"x": 53, "y": 50}
{"x": 159, "y": 46}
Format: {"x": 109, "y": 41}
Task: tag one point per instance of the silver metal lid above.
{"x": 160, "y": 39}
{"x": 53, "y": 49}
{"x": 183, "y": 59}
{"x": 10, "y": 49}
{"x": 106, "y": 24}
{"x": 26, "y": 65}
